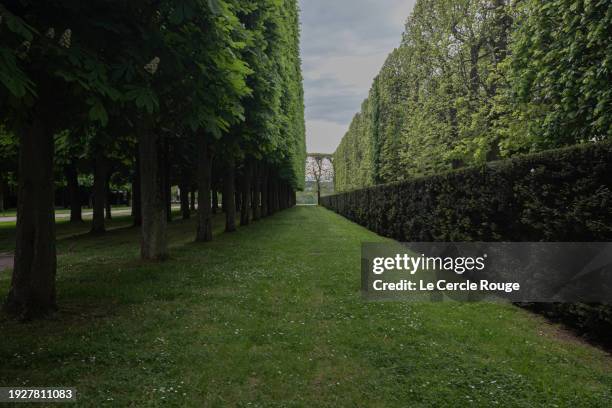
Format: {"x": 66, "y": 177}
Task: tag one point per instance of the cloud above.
{"x": 329, "y": 100}
{"x": 324, "y": 136}
{"x": 344, "y": 44}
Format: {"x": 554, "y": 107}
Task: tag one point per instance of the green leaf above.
{"x": 12, "y": 77}
{"x": 98, "y": 113}
{"x": 214, "y": 6}
{"x": 181, "y": 13}
{"x": 144, "y": 98}
{"x": 17, "y": 26}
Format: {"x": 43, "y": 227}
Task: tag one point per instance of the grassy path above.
{"x": 271, "y": 316}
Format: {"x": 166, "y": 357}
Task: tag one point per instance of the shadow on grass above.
{"x": 100, "y": 274}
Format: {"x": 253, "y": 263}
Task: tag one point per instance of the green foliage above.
{"x": 557, "y": 195}
{"x": 274, "y": 126}
{"x": 211, "y": 67}
{"x": 474, "y": 81}
{"x": 8, "y": 151}
{"x": 561, "y": 71}
{"x": 12, "y": 77}
{"x": 560, "y": 195}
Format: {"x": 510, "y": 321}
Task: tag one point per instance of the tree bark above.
{"x": 185, "y": 187}
{"x": 256, "y": 200}
{"x": 99, "y": 194}
{"x": 283, "y": 196}
{"x": 275, "y": 196}
{"x": 264, "y": 192}
{"x": 137, "y": 194}
{"x": 1, "y": 193}
{"x": 270, "y": 189}
{"x": 154, "y": 241}
{"x": 72, "y": 179}
{"x": 229, "y": 196}
{"x": 192, "y": 197}
{"x": 32, "y": 292}
{"x": 167, "y": 177}
{"x": 184, "y": 192}
{"x": 215, "y": 201}
{"x": 109, "y": 215}
{"x": 238, "y": 199}
{"x": 204, "y": 232}
{"x": 245, "y": 209}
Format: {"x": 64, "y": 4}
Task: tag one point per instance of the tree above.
{"x": 559, "y": 74}
{"x": 319, "y": 167}
{"x": 8, "y": 161}
{"x": 151, "y": 75}
{"x": 40, "y": 73}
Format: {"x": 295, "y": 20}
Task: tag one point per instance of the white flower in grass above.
{"x": 152, "y": 66}
{"x": 51, "y": 33}
{"x": 66, "y": 38}
{"x": 532, "y": 171}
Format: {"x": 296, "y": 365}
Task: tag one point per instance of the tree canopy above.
{"x": 150, "y": 93}
{"x": 474, "y": 81}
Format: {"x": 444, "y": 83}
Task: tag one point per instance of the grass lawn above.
{"x": 272, "y": 316}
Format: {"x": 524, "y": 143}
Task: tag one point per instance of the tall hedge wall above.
{"x": 557, "y": 195}
{"x": 475, "y": 81}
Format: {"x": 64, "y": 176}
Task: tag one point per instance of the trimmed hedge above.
{"x": 557, "y": 195}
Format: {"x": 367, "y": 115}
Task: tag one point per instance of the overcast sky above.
{"x": 344, "y": 44}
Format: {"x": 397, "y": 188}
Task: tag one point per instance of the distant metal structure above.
{"x": 320, "y": 167}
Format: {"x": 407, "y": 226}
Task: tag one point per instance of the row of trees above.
{"x": 479, "y": 80}
{"x": 205, "y": 94}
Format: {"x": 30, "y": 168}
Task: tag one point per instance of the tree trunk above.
{"x": 264, "y": 191}
{"x": 223, "y": 200}
{"x": 192, "y": 197}
{"x": 229, "y": 196}
{"x": 32, "y": 292}
{"x": 99, "y": 194}
{"x": 184, "y": 192}
{"x": 204, "y": 232}
{"x": 275, "y": 196}
{"x": 72, "y": 179}
{"x": 256, "y": 200}
{"x": 185, "y": 187}
{"x": 167, "y": 177}
{"x": 318, "y": 192}
{"x": 109, "y": 215}
{"x": 245, "y": 210}
{"x": 1, "y": 193}
{"x": 154, "y": 242}
{"x": 282, "y": 197}
{"x": 137, "y": 194}
{"x": 270, "y": 194}
{"x": 238, "y": 199}
{"x": 215, "y": 201}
